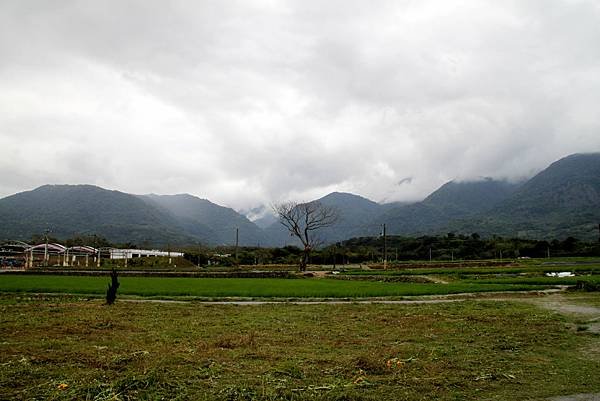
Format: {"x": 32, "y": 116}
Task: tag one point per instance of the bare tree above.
{"x": 302, "y": 219}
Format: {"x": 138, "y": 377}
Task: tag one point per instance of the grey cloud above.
{"x": 248, "y": 102}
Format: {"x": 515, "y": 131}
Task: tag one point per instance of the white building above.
{"x": 116, "y": 253}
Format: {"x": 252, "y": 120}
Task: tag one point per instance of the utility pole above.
{"x": 95, "y": 246}
{"x": 430, "y": 254}
{"x": 384, "y": 248}
{"x": 237, "y": 241}
{"x": 46, "y": 247}
{"x": 199, "y": 252}
{"x": 334, "y": 253}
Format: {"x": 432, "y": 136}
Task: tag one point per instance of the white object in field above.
{"x": 560, "y": 274}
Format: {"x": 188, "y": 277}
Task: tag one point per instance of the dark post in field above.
{"x": 111, "y": 293}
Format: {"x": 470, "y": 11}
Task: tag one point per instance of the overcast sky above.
{"x": 250, "y": 102}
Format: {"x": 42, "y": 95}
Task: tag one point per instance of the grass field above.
{"x": 72, "y": 349}
{"x": 254, "y": 288}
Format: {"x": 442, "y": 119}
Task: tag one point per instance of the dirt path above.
{"x": 559, "y": 303}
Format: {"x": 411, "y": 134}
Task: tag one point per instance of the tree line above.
{"x": 371, "y": 250}
{"x": 399, "y": 248}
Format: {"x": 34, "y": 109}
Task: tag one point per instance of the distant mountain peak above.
{"x": 471, "y": 195}
{"x": 69, "y": 186}
{"x": 346, "y": 197}
{"x": 180, "y": 197}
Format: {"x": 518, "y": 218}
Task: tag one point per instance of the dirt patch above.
{"x": 560, "y": 304}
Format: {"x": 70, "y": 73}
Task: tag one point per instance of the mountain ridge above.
{"x": 561, "y": 200}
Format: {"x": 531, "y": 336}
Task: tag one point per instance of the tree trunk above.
{"x": 304, "y": 259}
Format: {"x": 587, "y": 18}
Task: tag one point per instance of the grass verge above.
{"x": 67, "y": 348}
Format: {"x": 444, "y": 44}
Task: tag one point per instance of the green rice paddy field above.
{"x": 253, "y": 288}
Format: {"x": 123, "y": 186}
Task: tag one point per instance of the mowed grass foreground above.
{"x": 72, "y": 349}
{"x": 247, "y": 287}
